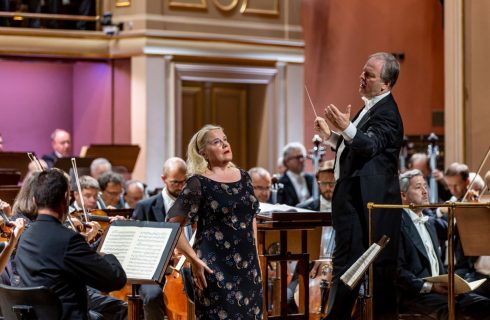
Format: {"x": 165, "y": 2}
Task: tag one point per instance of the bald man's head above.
{"x": 174, "y": 176}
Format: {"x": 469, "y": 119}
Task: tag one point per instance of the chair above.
{"x": 29, "y": 303}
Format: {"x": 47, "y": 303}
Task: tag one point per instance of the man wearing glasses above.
{"x": 155, "y": 209}
{"x": 297, "y": 184}
{"x": 111, "y": 191}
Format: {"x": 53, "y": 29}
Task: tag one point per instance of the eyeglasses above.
{"x": 176, "y": 182}
{"x": 261, "y": 188}
{"x": 298, "y": 157}
{"x": 326, "y": 183}
{"x": 218, "y": 142}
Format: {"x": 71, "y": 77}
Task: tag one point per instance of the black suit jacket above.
{"x": 50, "y": 159}
{"x": 369, "y": 163}
{"x": 413, "y": 261}
{"x": 287, "y": 195}
{"x": 51, "y": 255}
{"x": 151, "y": 209}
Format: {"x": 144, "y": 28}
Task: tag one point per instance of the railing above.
{"x": 20, "y": 14}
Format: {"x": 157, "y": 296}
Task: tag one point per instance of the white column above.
{"x": 152, "y": 118}
{"x": 454, "y": 129}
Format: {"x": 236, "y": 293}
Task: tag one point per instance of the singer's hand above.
{"x": 322, "y": 127}
{"x": 339, "y": 119}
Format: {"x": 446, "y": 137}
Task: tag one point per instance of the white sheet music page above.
{"x": 138, "y": 249}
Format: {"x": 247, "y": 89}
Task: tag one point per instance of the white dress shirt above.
{"x": 300, "y": 186}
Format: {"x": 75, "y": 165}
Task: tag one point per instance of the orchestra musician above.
{"x": 224, "y": 261}
{"x": 134, "y": 192}
{"x": 111, "y": 191}
{"x": 366, "y": 170}
{"x": 419, "y": 257}
{"x": 262, "y": 183}
{"x": 420, "y": 161}
{"x": 99, "y": 166}
{"x": 155, "y": 209}
{"x": 51, "y": 255}
{"x": 90, "y": 190}
{"x": 297, "y": 185}
{"x": 61, "y": 144}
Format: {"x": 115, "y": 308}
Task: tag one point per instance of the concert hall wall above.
{"x": 38, "y": 96}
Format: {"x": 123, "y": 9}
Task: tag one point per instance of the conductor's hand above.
{"x": 440, "y": 288}
{"x": 198, "y": 273}
{"x": 321, "y": 126}
{"x": 339, "y": 119}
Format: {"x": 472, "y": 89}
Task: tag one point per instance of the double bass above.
{"x": 432, "y": 153}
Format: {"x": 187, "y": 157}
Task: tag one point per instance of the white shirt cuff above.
{"x": 349, "y": 133}
{"x": 332, "y": 140}
{"x": 426, "y": 288}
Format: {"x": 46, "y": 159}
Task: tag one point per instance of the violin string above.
{"x": 311, "y": 102}
{"x": 80, "y": 193}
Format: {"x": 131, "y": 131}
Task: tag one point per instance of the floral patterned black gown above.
{"x": 225, "y": 242}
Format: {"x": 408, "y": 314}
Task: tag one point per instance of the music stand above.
{"x": 15, "y": 160}
{"x": 473, "y": 225}
{"x": 82, "y": 164}
{"x": 124, "y": 155}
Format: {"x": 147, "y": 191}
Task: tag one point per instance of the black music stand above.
{"x": 15, "y": 160}
{"x": 124, "y": 155}
{"x": 473, "y": 225}
{"x": 144, "y": 250}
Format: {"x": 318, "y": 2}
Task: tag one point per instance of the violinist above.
{"x": 52, "y": 255}
{"x": 90, "y": 190}
{"x": 155, "y": 209}
{"x": 111, "y": 191}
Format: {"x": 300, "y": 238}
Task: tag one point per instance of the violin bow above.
{"x": 181, "y": 262}
{"x": 476, "y": 175}
{"x": 77, "y": 180}
{"x": 37, "y": 163}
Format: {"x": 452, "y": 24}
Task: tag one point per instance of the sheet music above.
{"x": 267, "y": 207}
{"x": 138, "y": 249}
{"x": 355, "y": 272}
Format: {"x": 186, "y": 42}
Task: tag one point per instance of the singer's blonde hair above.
{"x": 196, "y": 163}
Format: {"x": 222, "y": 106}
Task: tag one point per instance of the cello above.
{"x": 177, "y": 305}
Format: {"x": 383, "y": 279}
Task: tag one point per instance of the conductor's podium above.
{"x": 284, "y": 221}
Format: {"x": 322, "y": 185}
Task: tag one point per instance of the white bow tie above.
{"x": 367, "y": 102}
{"x": 421, "y": 220}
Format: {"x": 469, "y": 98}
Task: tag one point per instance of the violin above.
{"x": 5, "y": 226}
